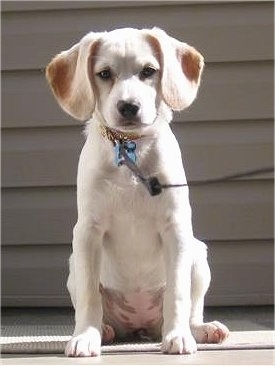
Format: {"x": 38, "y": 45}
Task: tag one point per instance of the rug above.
{"x": 51, "y": 339}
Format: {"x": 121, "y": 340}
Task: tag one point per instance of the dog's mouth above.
{"x": 133, "y": 124}
{"x": 130, "y": 125}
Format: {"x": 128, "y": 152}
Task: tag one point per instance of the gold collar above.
{"x": 114, "y": 135}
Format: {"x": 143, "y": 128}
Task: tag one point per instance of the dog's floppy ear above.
{"x": 182, "y": 67}
{"x": 69, "y": 77}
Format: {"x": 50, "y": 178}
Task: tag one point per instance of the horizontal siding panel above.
{"x": 239, "y": 210}
{"x": 41, "y": 157}
{"x": 228, "y": 91}
{"x": 15, "y": 6}
{"x": 247, "y": 24}
{"x": 233, "y": 264}
{"x": 209, "y": 150}
{"x": 242, "y": 273}
{"x": 41, "y": 271}
{"x": 27, "y": 101}
{"x": 38, "y": 216}
{"x": 215, "y": 149}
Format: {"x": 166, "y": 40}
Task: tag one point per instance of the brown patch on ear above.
{"x": 91, "y": 63}
{"x": 69, "y": 76}
{"x": 154, "y": 43}
{"x": 60, "y": 73}
{"x": 181, "y": 69}
{"x": 156, "y": 48}
{"x": 56, "y": 75}
{"x": 192, "y": 64}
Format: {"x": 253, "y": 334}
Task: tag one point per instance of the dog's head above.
{"x": 125, "y": 76}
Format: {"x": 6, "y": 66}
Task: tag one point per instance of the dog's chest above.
{"x": 132, "y": 255}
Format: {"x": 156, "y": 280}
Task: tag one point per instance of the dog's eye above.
{"x": 147, "y": 72}
{"x": 105, "y": 74}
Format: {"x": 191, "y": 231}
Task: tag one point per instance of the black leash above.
{"x": 155, "y": 187}
{"x": 152, "y": 183}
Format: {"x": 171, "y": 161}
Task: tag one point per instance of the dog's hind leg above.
{"x": 71, "y": 281}
{"x": 212, "y": 332}
{"x": 200, "y": 280}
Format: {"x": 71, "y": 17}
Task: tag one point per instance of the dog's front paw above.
{"x": 176, "y": 343}
{"x": 86, "y": 344}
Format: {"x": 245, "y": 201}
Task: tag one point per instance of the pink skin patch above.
{"x": 136, "y": 315}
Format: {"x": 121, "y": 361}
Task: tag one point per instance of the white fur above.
{"x": 124, "y": 238}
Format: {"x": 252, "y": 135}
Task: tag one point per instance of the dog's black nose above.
{"x": 128, "y": 110}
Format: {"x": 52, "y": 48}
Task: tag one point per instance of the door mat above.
{"x": 30, "y": 339}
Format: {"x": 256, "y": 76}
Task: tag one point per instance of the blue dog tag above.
{"x": 118, "y": 156}
{"x": 130, "y": 149}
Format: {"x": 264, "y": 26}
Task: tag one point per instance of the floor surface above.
{"x": 236, "y": 318}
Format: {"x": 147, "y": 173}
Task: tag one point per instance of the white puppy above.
{"x": 136, "y": 270}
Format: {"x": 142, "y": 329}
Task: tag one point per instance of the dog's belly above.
{"x": 133, "y": 316}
